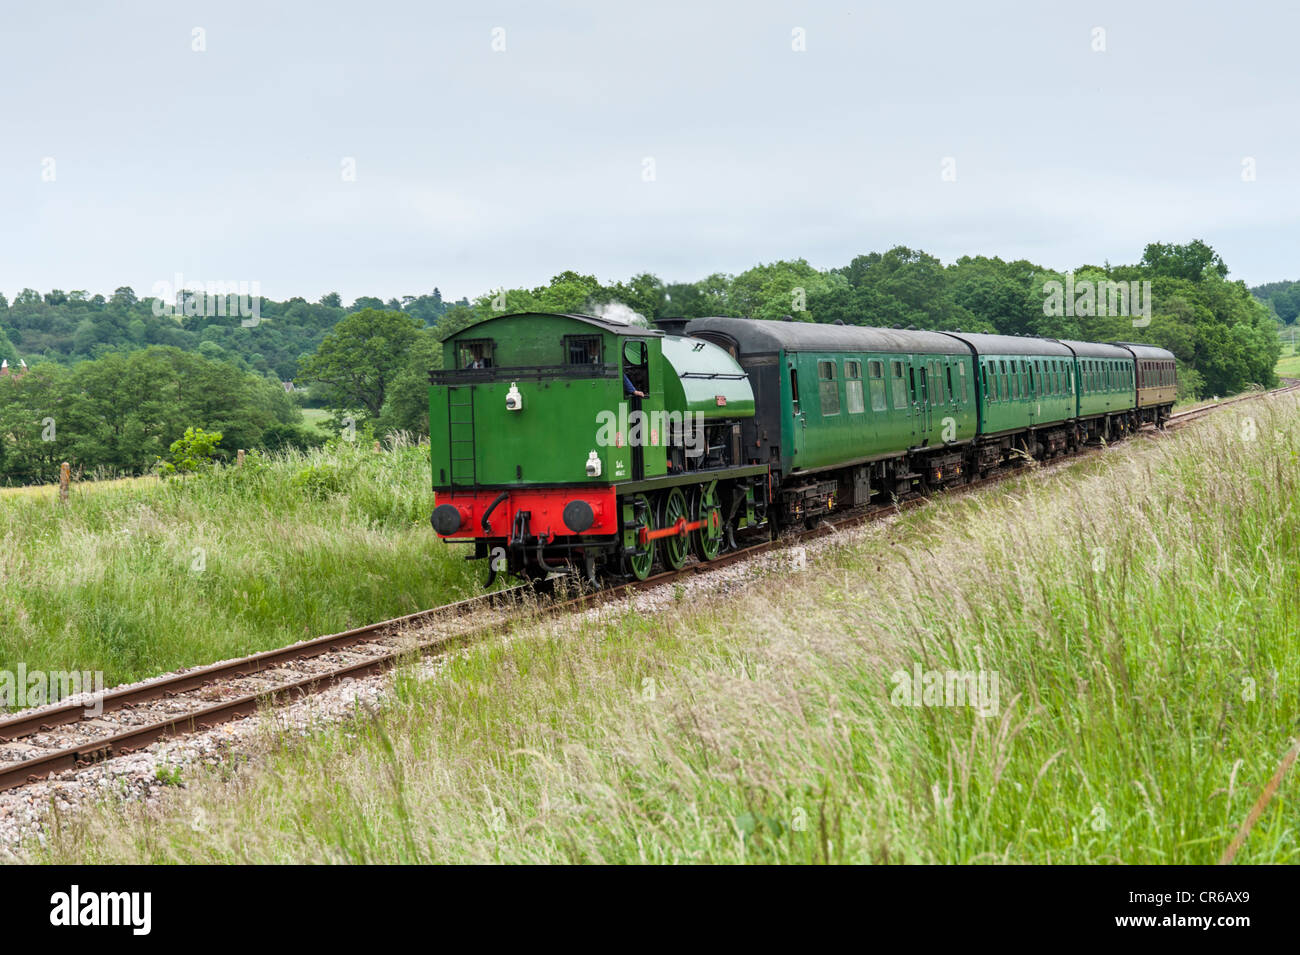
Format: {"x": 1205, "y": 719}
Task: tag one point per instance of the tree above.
{"x": 1193, "y": 261}
{"x": 359, "y": 359}
{"x": 7, "y": 351}
{"x": 406, "y": 407}
{"x": 191, "y": 453}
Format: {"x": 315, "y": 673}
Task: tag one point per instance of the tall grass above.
{"x": 1138, "y": 607}
{"x": 139, "y": 577}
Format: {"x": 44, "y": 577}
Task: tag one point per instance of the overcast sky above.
{"x": 477, "y": 168}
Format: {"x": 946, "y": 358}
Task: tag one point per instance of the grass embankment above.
{"x": 138, "y": 577}
{"x": 1138, "y": 608}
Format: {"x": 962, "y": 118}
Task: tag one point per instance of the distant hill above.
{"x": 66, "y": 327}
{"x": 1282, "y": 299}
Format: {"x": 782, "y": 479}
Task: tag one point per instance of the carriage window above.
{"x": 794, "y": 388}
{"x": 582, "y": 349}
{"x": 876, "y": 371}
{"x": 900, "y": 389}
{"x": 829, "y": 387}
{"x": 475, "y": 353}
{"x": 853, "y": 384}
{"x": 1015, "y": 380}
{"x": 952, "y": 394}
{"x": 961, "y": 373}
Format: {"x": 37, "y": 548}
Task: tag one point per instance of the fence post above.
{"x": 65, "y": 477}
{"x": 239, "y": 458}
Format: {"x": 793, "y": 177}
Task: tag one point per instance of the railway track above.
{"x": 1286, "y": 386}
{"x": 35, "y": 745}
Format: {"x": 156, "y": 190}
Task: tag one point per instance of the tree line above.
{"x": 142, "y": 378}
{"x": 67, "y": 327}
{"x": 119, "y": 414}
{"x": 1224, "y": 337}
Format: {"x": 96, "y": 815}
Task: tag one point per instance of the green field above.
{"x": 319, "y": 419}
{"x": 1138, "y": 609}
{"x": 139, "y": 577}
{"x": 1288, "y": 366}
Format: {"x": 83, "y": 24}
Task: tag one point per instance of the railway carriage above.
{"x": 1156, "y": 381}
{"x": 845, "y": 411}
{"x": 1106, "y": 393}
{"x": 1026, "y": 396}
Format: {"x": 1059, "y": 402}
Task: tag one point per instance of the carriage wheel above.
{"x": 672, "y": 508}
{"x": 708, "y": 539}
{"x": 638, "y": 565}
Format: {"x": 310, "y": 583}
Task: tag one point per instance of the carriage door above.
{"x": 798, "y": 421}
{"x": 920, "y": 391}
{"x": 636, "y": 368}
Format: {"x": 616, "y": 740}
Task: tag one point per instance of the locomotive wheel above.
{"x": 708, "y": 539}
{"x": 639, "y": 565}
{"x": 672, "y": 508}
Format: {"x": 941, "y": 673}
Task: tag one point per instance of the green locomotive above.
{"x": 573, "y": 440}
{"x": 569, "y": 440}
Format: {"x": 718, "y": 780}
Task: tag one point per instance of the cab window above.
{"x": 475, "y": 353}
{"x": 582, "y": 349}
